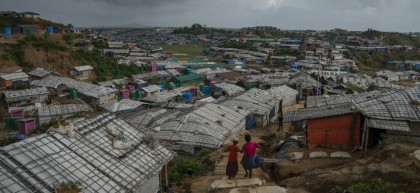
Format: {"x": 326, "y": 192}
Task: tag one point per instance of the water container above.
{"x": 217, "y": 95}
{"x": 137, "y": 95}
{"x": 72, "y": 93}
{"x": 207, "y": 89}
{"x": 7, "y": 31}
{"x": 348, "y": 67}
{"x": 389, "y": 63}
{"x": 172, "y": 85}
{"x": 162, "y": 87}
{"x": 50, "y": 29}
{"x": 189, "y": 70}
{"x": 188, "y": 96}
{"x": 294, "y": 66}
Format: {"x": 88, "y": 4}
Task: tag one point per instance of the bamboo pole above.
{"x": 166, "y": 175}
{"x": 366, "y": 142}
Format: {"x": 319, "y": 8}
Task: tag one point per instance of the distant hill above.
{"x": 392, "y": 38}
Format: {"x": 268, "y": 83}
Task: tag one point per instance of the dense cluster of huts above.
{"x": 108, "y": 135}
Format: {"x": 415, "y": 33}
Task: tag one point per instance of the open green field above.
{"x": 186, "y": 51}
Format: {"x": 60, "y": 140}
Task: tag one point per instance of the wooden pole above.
{"x": 366, "y": 142}
{"x": 166, "y": 175}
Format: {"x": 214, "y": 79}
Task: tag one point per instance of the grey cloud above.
{"x": 139, "y": 3}
{"x": 387, "y": 15}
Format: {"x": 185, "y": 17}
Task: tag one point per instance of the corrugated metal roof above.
{"x": 39, "y": 163}
{"x": 389, "y": 125}
{"x": 324, "y": 111}
{"x": 83, "y": 68}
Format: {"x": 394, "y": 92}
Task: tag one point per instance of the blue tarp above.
{"x": 250, "y": 122}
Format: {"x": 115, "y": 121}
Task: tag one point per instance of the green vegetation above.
{"x": 184, "y": 168}
{"x": 190, "y": 50}
{"x": 351, "y": 88}
{"x": 17, "y": 51}
{"x": 106, "y": 68}
{"x": 373, "y": 186}
{"x": 10, "y": 21}
{"x": 273, "y": 33}
{"x": 100, "y": 44}
{"x": 392, "y": 38}
{"x": 69, "y": 37}
{"x": 197, "y": 29}
{"x": 373, "y": 61}
{"x": 238, "y": 45}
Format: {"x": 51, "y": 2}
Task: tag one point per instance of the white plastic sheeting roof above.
{"x": 207, "y": 126}
{"x": 230, "y": 89}
{"x": 146, "y": 119}
{"x": 287, "y": 94}
{"x": 87, "y": 89}
{"x": 25, "y": 93}
{"x": 56, "y": 110}
{"x": 256, "y": 100}
{"x": 122, "y": 105}
{"x": 39, "y": 163}
{"x": 83, "y": 68}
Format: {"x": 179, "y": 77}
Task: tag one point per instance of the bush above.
{"x": 106, "y": 68}
{"x": 184, "y": 168}
{"x": 373, "y": 186}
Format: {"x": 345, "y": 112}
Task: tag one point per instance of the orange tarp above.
{"x": 334, "y": 132}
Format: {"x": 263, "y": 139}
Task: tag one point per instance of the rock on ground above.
{"x": 340, "y": 154}
{"x": 417, "y": 158}
{"x": 270, "y": 189}
{"x": 318, "y": 154}
{"x": 296, "y": 156}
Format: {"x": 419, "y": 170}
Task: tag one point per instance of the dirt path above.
{"x": 201, "y": 184}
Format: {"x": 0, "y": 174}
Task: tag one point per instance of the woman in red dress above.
{"x": 232, "y": 166}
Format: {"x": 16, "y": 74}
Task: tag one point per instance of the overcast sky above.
{"x": 385, "y": 15}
